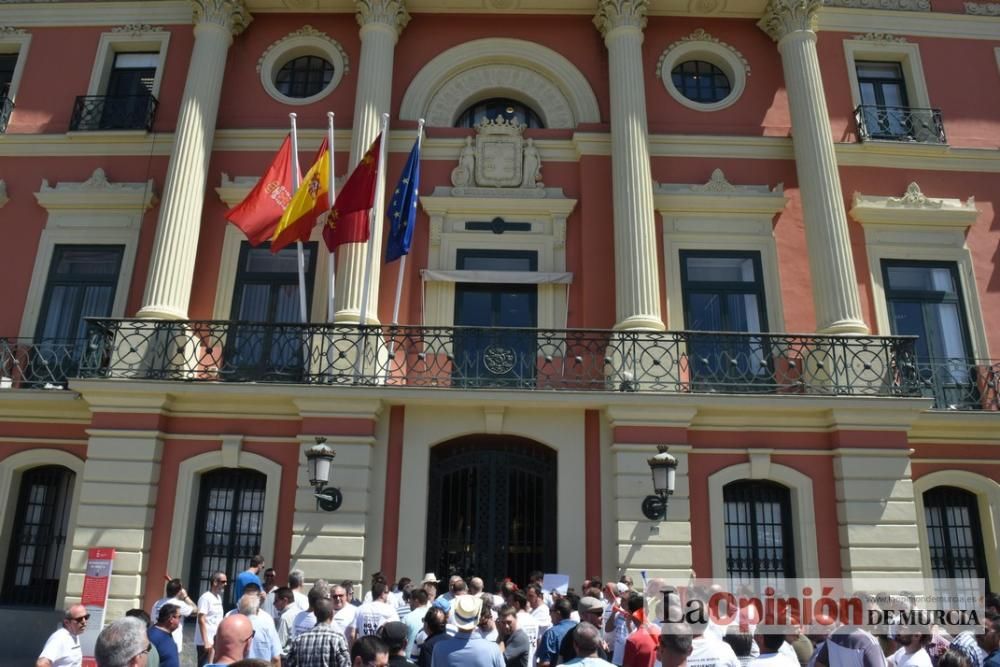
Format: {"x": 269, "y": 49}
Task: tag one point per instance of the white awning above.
{"x": 521, "y": 277}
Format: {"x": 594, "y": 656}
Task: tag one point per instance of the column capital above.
{"x": 391, "y": 13}
{"x": 230, "y": 15}
{"x": 783, "y": 17}
{"x": 614, "y": 14}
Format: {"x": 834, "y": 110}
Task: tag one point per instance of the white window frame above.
{"x": 920, "y": 228}
{"x": 720, "y": 216}
{"x": 112, "y": 43}
{"x": 448, "y": 215}
{"x": 700, "y": 45}
{"x": 888, "y": 50}
{"x": 15, "y": 41}
{"x": 95, "y": 212}
{"x": 306, "y": 41}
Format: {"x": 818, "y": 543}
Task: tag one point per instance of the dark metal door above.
{"x": 492, "y": 508}
{"x": 955, "y": 534}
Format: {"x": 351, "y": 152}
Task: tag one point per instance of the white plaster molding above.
{"x": 983, "y": 9}
{"x": 186, "y": 504}
{"x": 125, "y": 41}
{"x": 760, "y": 463}
{"x": 390, "y": 13}
{"x": 232, "y": 191}
{"x": 305, "y": 41}
{"x": 907, "y": 54}
{"x": 895, "y": 5}
{"x": 493, "y": 418}
{"x": 501, "y": 158}
{"x": 718, "y": 195}
{"x": 96, "y": 193}
{"x": 880, "y": 37}
{"x": 494, "y": 56}
{"x": 700, "y": 45}
{"x": 11, "y": 31}
{"x": 914, "y": 208}
{"x": 138, "y": 28}
{"x": 3, "y": 193}
{"x": 803, "y": 515}
{"x": 232, "y": 445}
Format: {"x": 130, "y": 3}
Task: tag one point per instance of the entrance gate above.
{"x": 492, "y": 508}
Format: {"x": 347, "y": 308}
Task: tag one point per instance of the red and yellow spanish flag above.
{"x": 348, "y": 220}
{"x": 309, "y": 202}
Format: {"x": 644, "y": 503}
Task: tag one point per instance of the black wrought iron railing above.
{"x": 30, "y": 364}
{"x": 100, "y": 112}
{"x": 6, "y": 109}
{"x": 526, "y": 359}
{"x": 960, "y": 384}
{"x": 899, "y": 124}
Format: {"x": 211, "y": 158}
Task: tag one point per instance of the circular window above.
{"x": 702, "y": 73}
{"x": 499, "y": 107}
{"x": 303, "y": 67}
{"x": 701, "y": 82}
{"x": 304, "y": 76}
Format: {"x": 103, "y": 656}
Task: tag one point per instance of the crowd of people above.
{"x": 410, "y": 624}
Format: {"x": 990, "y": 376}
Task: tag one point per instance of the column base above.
{"x": 846, "y": 327}
{"x": 642, "y": 322}
{"x": 354, "y": 317}
{"x": 156, "y": 312}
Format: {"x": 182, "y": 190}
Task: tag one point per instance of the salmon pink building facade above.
{"x": 762, "y": 233}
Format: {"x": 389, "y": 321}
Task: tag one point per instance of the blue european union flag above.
{"x": 403, "y": 209}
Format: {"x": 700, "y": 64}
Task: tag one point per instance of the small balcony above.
{"x": 6, "y": 109}
{"x": 905, "y": 124}
{"x": 29, "y": 364}
{"x": 100, "y": 112}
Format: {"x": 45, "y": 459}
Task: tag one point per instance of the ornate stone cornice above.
{"x": 11, "y": 31}
{"x": 783, "y": 17}
{"x": 983, "y": 9}
{"x": 883, "y": 37}
{"x": 138, "y": 28}
{"x": 304, "y": 31}
{"x": 613, "y": 14}
{"x": 896, "y": 5}
{"x": 391, "y": 13}
{"x": 700, "y": 35}
{"x": 914, "y": 208}
{"x": 96, "y": 193}
{"x": 231, "y": 15}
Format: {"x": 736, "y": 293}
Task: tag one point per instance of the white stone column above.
{"x": 792, "y": 24}
{"x": 381, "y": 22}
{"x": 171, "y": 271}
{"x": 637, "y": 289}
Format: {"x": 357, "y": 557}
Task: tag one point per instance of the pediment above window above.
{"x": 915, "y": 209}
{"x": 718, "y": 195}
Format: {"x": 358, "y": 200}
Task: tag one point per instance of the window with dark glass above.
{"x": 82, "y": 283}
{"x": 885, "y": 104}
{"x": 7, "y": 63}
{"x": 924, "y": 299}
{"x": 499, "y": 107}
{"x": 304, "y": 76}
{"x": 132, "y": 74}
{"x": 954, "y": 534}
{"x": 723, "y": 291}
{"x": 228, "y": 525}
{"x": 758, "y": 528}
{"x": 38, "y": 537}
{"x": 267, "y": 341}
{"x": 701, "y": 81}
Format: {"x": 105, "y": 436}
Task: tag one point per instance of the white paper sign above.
{"x": 556, "y": 582}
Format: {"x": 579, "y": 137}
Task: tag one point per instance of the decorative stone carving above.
{"x": 391, "y": 13}
{"x": 898, "y": 5}
{"x": 782, "y": 17}
{"x": 719, "y": 195}
{"x": 231, "y": 15}
{"x": 883, "y": 37}
{"x": 613, "y": 14}
{"x": 700, "y": 35}
{"x": 137, "y": 28}
{"x": 500, "y": 158}
{"x": 704, "y": 6}
{"x": 914, "y": 198}
{"x": 11, "y": 31}
{"x": 716, "y": 183}
{"x": 96, "y": 191}
{"x": 914, "y": 208}
{"x": 983, "y": 9}
{"x": 305, "y": 31}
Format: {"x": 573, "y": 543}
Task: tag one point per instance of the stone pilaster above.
{"x": 792, "y": 24}
{"x": 637, "y": 289}
{"x": 171, "y": 271}
{"x": 381, "y": 22}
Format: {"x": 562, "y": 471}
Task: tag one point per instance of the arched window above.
{"x": 228, "y": 524}
{"x": 496, "y": 107}
{"x": 954, "y": 534}
{"x": 758, "y": 525}
{"x": 304, "y": 76}
{"x": 701, "y": 81}
{"x": 35, "y": 554}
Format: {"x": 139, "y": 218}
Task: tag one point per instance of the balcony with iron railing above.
{"x": 6, "y": 109}
{"x": 103, "y": 112}
{"x": 905, "y": 124}
{"x": 680, "y": 362}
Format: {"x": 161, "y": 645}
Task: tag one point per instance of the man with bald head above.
{"x": 63, "y": 646}
{"x": 232, "y": 640}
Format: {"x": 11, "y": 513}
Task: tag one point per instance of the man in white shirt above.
{"x": 210, "y": 613}
{"x": 306, "y": 620}
{"x": 176, "y": 595}
{"x": 62, "y": 649}
{"x": 373, "y": 615}
{"x": 537, "y": 607}
{"x": 771, "y": 654}
{"x": 527, "y": 623}
{"x": 344, "y": 613}
{"x": 707, "y": 651}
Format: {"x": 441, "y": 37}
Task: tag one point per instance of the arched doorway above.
{"x": 491, "y": 510}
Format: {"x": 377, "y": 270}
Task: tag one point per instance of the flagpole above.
{"x": 379, "y": 188}
{"x": 402, "y": 262}
{"x": 332, "y": 273}
{"x": 302, "y": 255}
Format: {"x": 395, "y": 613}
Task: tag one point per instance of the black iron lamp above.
{"x": 320, "y": 459}
{"x": 663, "y": 466}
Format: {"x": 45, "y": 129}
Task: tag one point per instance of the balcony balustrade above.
{"x": 29, "y": 364}
{"x": 6, "y": 109}
{"x": 882, "y": 123}
{"x": 101, "y": 112}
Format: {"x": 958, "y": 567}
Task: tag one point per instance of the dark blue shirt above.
{"x": 242, "y": 579}
{"x": 993, "y": 659}
{"x": 548, "y": 645}
{"x": 165, "y": 647}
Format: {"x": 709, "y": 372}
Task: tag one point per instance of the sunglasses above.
{"x": 81, "y": 619}
{"x": 252, "y": 633}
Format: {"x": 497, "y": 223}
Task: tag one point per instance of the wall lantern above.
{"x": 663, "y": 466}
{"x": 320, "y": 459}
